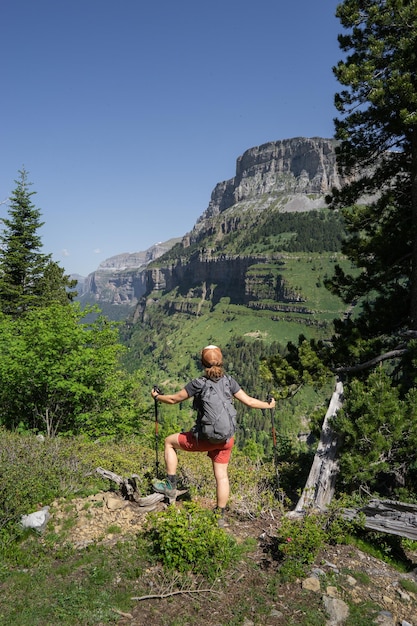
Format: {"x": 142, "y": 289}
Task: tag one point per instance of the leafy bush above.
{"x": 189, "y": 539}
{"x": 339, "y": 529}
{"x": 299, "y": 541}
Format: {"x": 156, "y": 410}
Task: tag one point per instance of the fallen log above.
{"x": 127, "y": 486}
{"x": 129, "y": 489}
{"x": 387, "y": 516}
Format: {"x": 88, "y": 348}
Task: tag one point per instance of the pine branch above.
{"x": 393, "y": 354}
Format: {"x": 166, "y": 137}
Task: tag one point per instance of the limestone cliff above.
{"x": 291, "y": 175}
{"x": 121, "y": 279}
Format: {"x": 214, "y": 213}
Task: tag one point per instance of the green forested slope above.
{"x": 297, "y": 251}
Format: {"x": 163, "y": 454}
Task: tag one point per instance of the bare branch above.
{"x": 393, "y": 354}
{"x": 172, "y": 593}
{"x": 128, "y": 615}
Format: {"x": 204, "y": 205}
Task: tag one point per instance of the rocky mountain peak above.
{"x": 290, "y": 174}
{"x": 295, "y": 166}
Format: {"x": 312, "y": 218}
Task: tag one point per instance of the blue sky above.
{"x": 126, "y": 113}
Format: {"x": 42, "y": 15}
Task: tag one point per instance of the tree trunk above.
{"x": 413, "y": 277}
{"x": 319, "y": 488}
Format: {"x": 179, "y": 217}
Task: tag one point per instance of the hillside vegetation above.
{"x": 286, "y": 298}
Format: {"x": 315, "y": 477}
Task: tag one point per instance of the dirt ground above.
{"x": 251, "y": 594}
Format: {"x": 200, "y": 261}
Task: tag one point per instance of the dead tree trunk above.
{"x": 319, "y": 488}
{"x": 387, "y": 516}
{"x": 395, "y": 518}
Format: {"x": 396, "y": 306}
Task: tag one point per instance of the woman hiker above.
{"x": 220, "y": 452}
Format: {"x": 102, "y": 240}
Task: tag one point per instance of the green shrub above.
{"x": 188, "y": 539}
{"x": 408, "y": 585}
{"x": 299, "y": 541}
{"x": 339, "y": 529}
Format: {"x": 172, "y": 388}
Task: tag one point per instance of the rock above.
{"x": 114, "y": 503}
{"x": 317, "y": 572}
{"x": 292, "y": 174}
{"x": 120, "y": 279}
{"x": 337, "y": 610}
{"x": 300, "y": 165}
{"x": 311, "y": 584}
{"x": 385, "y": 618}
{"x": 403, "y": 595}
{"x": 332, "y": 592}
{"x": 36, "y": 520}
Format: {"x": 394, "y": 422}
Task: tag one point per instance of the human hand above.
{"x": 155, "y": 392}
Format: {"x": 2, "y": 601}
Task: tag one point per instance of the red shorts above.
{"x": 218, "y": 452}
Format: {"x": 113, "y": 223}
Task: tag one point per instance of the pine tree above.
{"x": 28, "y": 278}
{"x": 377, "y": 129}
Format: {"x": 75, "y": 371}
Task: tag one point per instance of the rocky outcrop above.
{"x": 299, "y": 172}
{"x": 121, "y": 279}
{"x": 287, "y": 175}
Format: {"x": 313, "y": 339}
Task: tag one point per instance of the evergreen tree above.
{"x": 28, "y": 278}
{"x": 377, "y": 153}
{"x": 378, "y": 147}
{"x": 54, "y": 286}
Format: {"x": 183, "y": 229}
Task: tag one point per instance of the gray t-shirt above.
{"x": 195, "y": 386}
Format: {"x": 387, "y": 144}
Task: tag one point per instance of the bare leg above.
{"x": 222, "y": 483}
{"x": 171, "y": 459}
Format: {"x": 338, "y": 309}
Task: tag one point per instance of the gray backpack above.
{"x": 216, "y": 415}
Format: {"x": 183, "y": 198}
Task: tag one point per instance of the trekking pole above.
{"x": 156, "y": 388}
{"x": 274, "y": 443}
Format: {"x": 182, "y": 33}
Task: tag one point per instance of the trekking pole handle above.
{"x": 157, "y": 391}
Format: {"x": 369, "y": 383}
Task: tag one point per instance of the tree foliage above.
{"x": 28, "y": 277}
{"x": 312, "y": 231}
{"x": 377, "y": 129}
{"x": 378, "y": 437}
{"x": 58, "y": 374}
{"x": 377, "y": 153}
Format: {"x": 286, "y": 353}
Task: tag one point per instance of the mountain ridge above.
{"x": 289, "y": 175}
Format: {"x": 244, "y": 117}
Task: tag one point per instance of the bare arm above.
{"x": 172, "y": 398}
{"x": 254, "y": 403}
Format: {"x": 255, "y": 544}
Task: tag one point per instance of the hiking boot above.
{"x": 165, "y": 487}
{"x": 221, "y": 520}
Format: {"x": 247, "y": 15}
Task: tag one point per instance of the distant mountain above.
{"x": 119, "y": 280}
{"x": 287, "y": 176}
{"x": 80, "y": 283}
